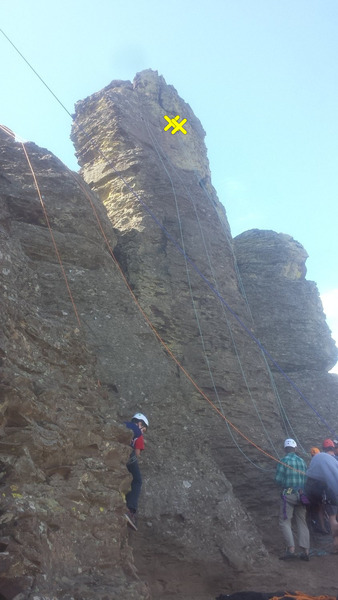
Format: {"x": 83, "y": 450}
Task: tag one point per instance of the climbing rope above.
{"x": 161, "y": 158}
{"x": 156, "y": 220}
{"x": 301, "y": 596}
{"x": 189, "y": 260}
{"x": 289, "y": 431}
{"x": 188, "y": 376}
{"x": 177, "y": 177}
{"x": 9, "y": 132}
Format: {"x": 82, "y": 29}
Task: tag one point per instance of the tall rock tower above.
{"x": 175, "y": 249}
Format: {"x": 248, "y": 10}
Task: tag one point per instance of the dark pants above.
{"x": 318, "y": 492}
{"x": 136, "y": 484}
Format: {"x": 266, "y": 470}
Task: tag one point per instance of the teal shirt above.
{"x": 290, "y": 478}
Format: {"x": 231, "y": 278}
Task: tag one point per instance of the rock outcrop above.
{"x": 62, "y": 451}
{"x": 286, "y": 308}
{"x": 290, "y": 323}
{"x": 137, "y": 302}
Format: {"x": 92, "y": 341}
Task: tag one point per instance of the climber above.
{"x": 290, "y": 475}
{"x": 138, "y": 424}
{"x": 322, "y": 485}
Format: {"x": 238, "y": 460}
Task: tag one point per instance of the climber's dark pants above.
{"x": 136, "y": 484}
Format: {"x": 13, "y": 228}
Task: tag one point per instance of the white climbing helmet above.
{"x": 141, "y": 417}
{"x": 289, "y": 443}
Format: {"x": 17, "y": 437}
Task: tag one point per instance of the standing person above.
{"x": 290, "y": 475}
{"x": 322, "y": 485}
{"x": 138, "y": 424}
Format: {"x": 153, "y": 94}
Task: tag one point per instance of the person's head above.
{"x": 328, "y": 446}
{"x": 290, "y": 445}
{"x": 141, "y": 420}
{"x": 314, "y": 451}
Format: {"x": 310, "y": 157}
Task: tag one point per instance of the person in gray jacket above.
{"x": 321, "y": 486}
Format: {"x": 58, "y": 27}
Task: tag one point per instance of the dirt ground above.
{"x": 170, "y": 579}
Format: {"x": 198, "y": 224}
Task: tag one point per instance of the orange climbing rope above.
{"x": 145, "y": 316}
{"x": 301, "y": 596}
{"x": 12, "y": 134}
{"x": 52, "y": 236}
{"x": 166, "y": 347}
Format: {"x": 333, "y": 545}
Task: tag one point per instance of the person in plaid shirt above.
{"x": 290, "y": 475}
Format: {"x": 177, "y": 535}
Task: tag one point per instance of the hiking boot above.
{"x": 288, "y": 555}
{"x": 131, "y": 519}
{"x": 304, "y": 556}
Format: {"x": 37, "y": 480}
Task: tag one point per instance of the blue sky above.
{"x": 261, "y": 75}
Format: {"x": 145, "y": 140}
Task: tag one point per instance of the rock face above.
{"x": 62, "y": 452}
{"x": 136, "y": 298}
{"x": 290, "y": 323}
{"x": 286, "y": 308}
